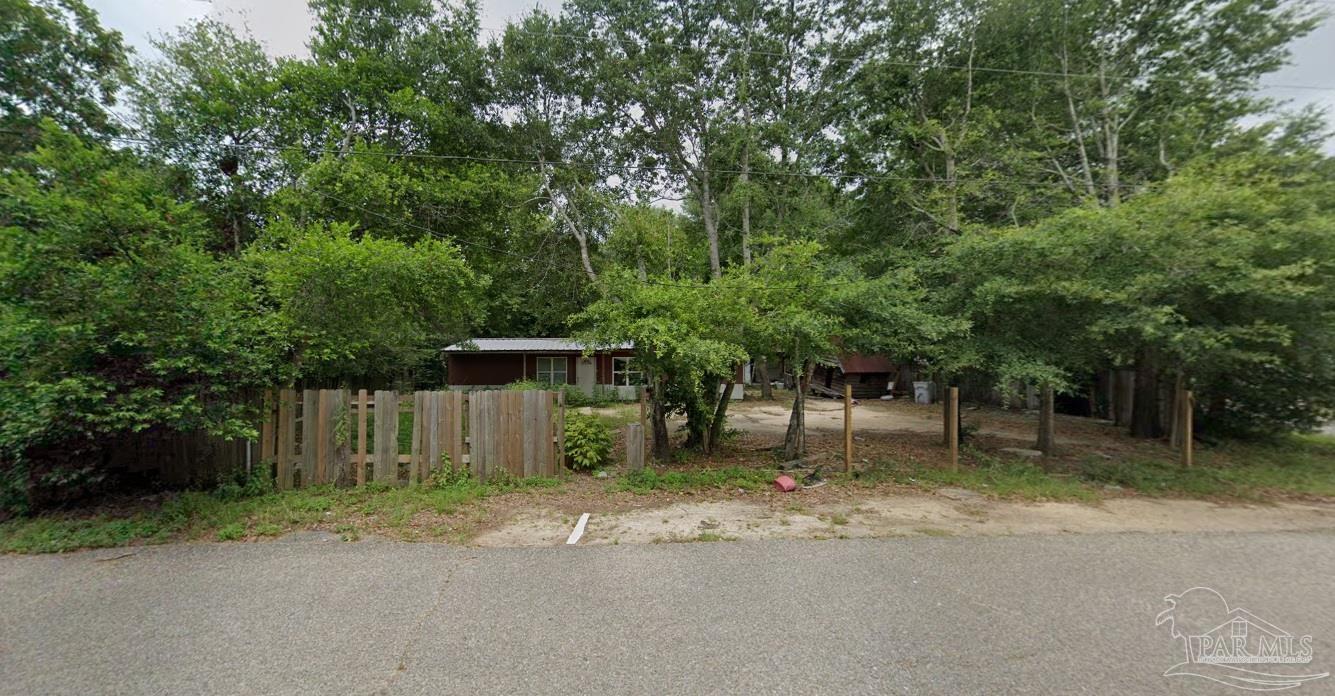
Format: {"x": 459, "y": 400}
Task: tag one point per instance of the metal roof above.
{"x": 527, "y": 345}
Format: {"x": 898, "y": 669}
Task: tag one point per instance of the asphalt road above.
{"x": 1068, "y": 614}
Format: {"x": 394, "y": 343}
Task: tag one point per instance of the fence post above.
{"x": 561, "y": 431}
{"x": 363, "y": 405}
{"x": 1186, "y": 411}
{"x": 644, "y": 427}
{"x": 848, "y": 428}
{"x": 953, "y": 426}
{"x": 634, "y": 438}
{"x": 267, "y": 428}
{"x": 415, "y": 449}
{"x": 286, "y": 449}
{"x": 386, "y": 437}
{"x": 1047, "y": 439}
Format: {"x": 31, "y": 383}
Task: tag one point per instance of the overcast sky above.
{"x": 283, "y": 26}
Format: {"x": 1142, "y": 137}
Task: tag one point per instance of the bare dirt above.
{"x": 897, "y": 429}
{"x": 946, "y": 513}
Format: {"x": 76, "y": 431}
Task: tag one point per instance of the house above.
{"x": 871, "y": 375}
{"x": 489, "y": 363}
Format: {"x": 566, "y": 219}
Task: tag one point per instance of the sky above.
{"x": 284, "y": 25}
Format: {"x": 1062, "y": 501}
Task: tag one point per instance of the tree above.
{"x": 211, "y": 103}
{"x": 59, "y": 64}
{"x": 686, "y": 337}
{"x": 116, "y": 319}
{"x": 1220, "y": 276}
{"x": 364, "y": 307}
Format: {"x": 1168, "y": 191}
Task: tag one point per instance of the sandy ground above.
{"x": 838, "y": 512}
{"x": 948, "y": 512}
{"x": 826, "y": 416}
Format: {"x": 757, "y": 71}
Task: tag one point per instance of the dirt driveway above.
{"x": 826, "y": 417}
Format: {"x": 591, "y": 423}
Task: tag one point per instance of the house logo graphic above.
{"x": 1233, "y": 646}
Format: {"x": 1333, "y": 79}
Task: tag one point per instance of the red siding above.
{"x": 469, "y": 369}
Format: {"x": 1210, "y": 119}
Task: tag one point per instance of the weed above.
{"x": 231, "y": 532}
{"x": 838, "y": 519}
{"x": 647, "y": 480}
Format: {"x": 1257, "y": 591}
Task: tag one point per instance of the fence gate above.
{"x": 335, "y": 436}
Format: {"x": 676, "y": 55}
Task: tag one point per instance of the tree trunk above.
{"x": 658, "y": 418}
{"x": 1145, "y": 402}
{"x": 795, "y": 440}
{"x": 1047, "y": 440}
{"x": 720, "y": 417}
{"x": 762, "y": 369}
{"x": 943, "y": 394}
{"x": 709, "y": 215}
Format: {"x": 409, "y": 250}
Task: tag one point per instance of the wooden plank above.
{"x": 415, "y": 457}
{"x": 477, "y": 433}
{"x": 285, "y": 446}
{"x": 340, "y": 458}
{"x": 454, "y": 435}
{"x": 544, "y": 436}
{"x": 269, "y": 403}
{"x": 1188, "y": 412}
{"x": 848, "y": 428}
{"x": 363, "y": 406}
{"x": 324, "y": 434}
{"x": 386, "y": 467}
{"x": 953, "y": 426}
{"x": 529, "y": 435}
{"x": 634, "y": 439}
{"x": 517, "y": 434}
{"x": 435, "y": 431}
{"x": 561, "y": 432}
{"x": 310, "y": 416}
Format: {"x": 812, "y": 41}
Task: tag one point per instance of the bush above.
{"x": 601, "y": 396}
{"x": 588, "y": 442}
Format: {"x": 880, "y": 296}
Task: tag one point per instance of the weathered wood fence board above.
{"x": 332, "y": 436}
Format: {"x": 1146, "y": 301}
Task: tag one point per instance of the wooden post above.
{"x": 415, "y": 448}
{"x": 634, "y": 437}
{"x": 267, "y": 428}
{"x": 386, "y": 437}
{"x": 644, "y": 428}
{"x": 1047, "y": 439}
{"x": 561, "y": 431}
{"x": 363, "y": 405}
{"x": 848, "y": 428}
{"x": 953, "y": 426}
{"x": 287, "y": 399}
{"x": 1187, "y": 411}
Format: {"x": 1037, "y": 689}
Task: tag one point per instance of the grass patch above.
{"x": 1293, "y": 465}
{"x": 1004, "y": 478}
{"x": 648, "y": 480}
{"x": 231, "y": 512}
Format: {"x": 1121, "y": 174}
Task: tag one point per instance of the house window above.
{"x": 625, "y": 373}
{"x": 552, "y": 370}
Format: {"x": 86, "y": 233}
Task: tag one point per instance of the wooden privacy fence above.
{"x": 335, "y": 436}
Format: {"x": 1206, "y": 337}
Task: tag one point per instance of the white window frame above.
{"x": 547, "y": 369}
{"x": 625, "y": 377}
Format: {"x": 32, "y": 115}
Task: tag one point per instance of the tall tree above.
{"x": 60, "y": 63}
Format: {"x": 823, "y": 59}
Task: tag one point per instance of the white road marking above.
{"x": 579, "y": 529}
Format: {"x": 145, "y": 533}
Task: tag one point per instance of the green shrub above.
{"x": 588, "y": 442}
{"x": 602, "y": 396}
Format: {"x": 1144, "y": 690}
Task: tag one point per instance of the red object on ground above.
{"x": 785, "y": 484}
